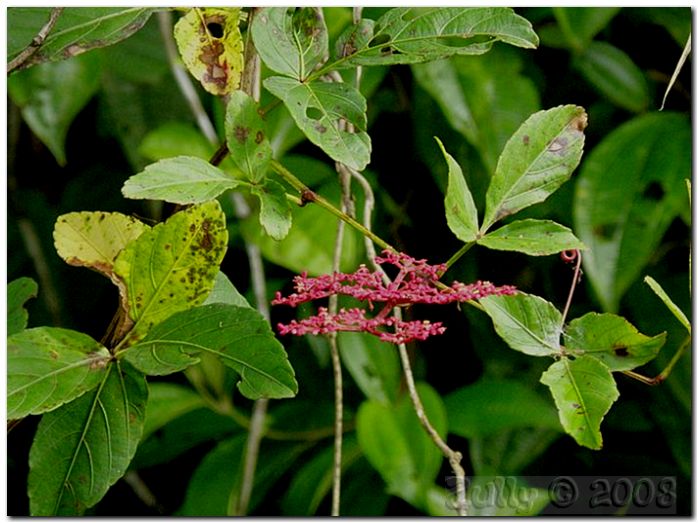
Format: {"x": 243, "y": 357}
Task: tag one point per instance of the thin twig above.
{"x": 21, "y": 59}
{"x": 575, "y": 278}
{"x": 142, "y": 491}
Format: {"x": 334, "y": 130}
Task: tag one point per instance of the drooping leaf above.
{"x": 78, "y": 29}
{"x": 275, "y": 210}
{"x": 612, "y": 340}
{"x": 182, "y": 180}
{"x": 659, "y": 291}
{"x": 291, "y": 40}
{"x": 246, "y": 135}
{"x": 614, "y": 75}
{"x": 51, "y": 95}
{"x": 536, "y": 161}
{"x": 171, "y": 267}
{"x": 629, "y": 191}
{"x": 166, "y": 402}
{"x": 526, "y": 322}
{"x": 580, "y": 25}
{"x": 83, "y": 448}
{"x": 239, "y": 336}
{"x": 533, "y": 237}
{"x": 94, "y": 239}
{"x": 225, "y": 292}
{"x": 18, "y": 292}
{"x": 461, "y": 213}
{"x": 211, "y": 46}
{"x": 318, "y": 107}
{"x": 49, "y": 366}
{"x": 406, "y": 35}
{"x": 583, "y": 390}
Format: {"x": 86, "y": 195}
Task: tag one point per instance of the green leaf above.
{"x": 239, "y": 336}
{"x": 526, "y": 322}
{"x": 166, "y": 402}
{"x": 94, "y": 239}
{"x": 171, "y": 267}
{"x": 78, "y": 29}
{"x": 182, "y": 180}
{"x": 581, "y": 24}
{"x": 461, "y": 213}
{"x": 408, "y": 35}
{"x": 491, "y": 406}
{"x": 225, "y": 292}
{"x": 659, "y": 291}
{"x": 511, "y": 451}
{"x": 175, "y": 139}
{"x": 614, "y": 75}
{"x": 211, "y": 46}
{"x": 612, "y": 340}
{"x": 318, "y": 107}
{"x": 246, "y": 136}
{"x": 373, "y": 364}
{"x": 275, "y": 210}
{"x": 629, "y": 191}
{"x": 48, "y": 366}
{"x": 536, "y": 161}
{"x": 532, "y": 237}
{"x": 291, "y": 40}
{"x": 51, "y": 96}
{"x": 83, "y": 448}
{"x": 583, "y": 390}
{"x": 504, "y": 496}
{"x": 18, "y": 292}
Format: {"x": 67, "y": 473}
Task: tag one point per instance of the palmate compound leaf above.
{"x": 533, "y": 237}
{"x": 182, "y": 180}
{"x": 171, "y": 267}
{"x": 583, "y": 390}
{"x": 18, "y": 292}
{"x": 536, "y": 161}
{"x": 48, "y": 367}
{"x": 94, "y": 239}
{"x": 318, "y": 107}
{"x": 239, "y": 336}
{"x": 84, "y": 447}
{"x": 211, "y": 46}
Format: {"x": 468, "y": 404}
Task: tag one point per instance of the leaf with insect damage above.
{"x": 18, "y": 292}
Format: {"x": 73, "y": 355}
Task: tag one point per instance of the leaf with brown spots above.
{"x": 246, "y": 133}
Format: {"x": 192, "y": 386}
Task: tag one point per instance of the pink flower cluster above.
{"x": 414, "y": 283}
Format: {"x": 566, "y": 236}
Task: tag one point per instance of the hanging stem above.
{"x": 575, "y": 279}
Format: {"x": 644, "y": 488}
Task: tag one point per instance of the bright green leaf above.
{"x": 533, "y": 237}
{"x": 94, "y": 239}
{"x": 18, "y": 292}
{"x": 239, "y": 336}
{"x": 611, "y": 72}
{"x": 83, "y": 448}
{"x": 78, "y": 29}
{"x": 182, "y": 180}
{"x": 318, "y": 107}
{"x": 49, "y": 366}
{"x": 171, "y": 267}
{"x": 461, "y": 213}
{"x": 612, "y": 340}
{"x": 583, "y": 390}
{"x": 52, "y": 94}
{"x": 166, "y": 402}
{"x": 536, "y": 161}
{"x": 526, "y": 322}
{"x": 291, "y": 40}
{"x": 246, "y": 135}
{"x": 581, "y": 24}
{"x": 629, "y": 191}
{"x": 659, "y": 291}
{"x": 225, "y": 292}
{"x": 275, "y": 210}
{"x": 210, "y": 43}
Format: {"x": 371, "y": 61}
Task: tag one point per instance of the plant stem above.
{"x": 659, "y": 378}
{"x": 575, "y": 278}
{"x": 457, "y": 256}
{"x": 36, "y": 43}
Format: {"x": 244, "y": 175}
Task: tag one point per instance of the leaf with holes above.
{"x": 275, "y": 210}
{"x": 317, "y": 109}
{"x": 526, "y": 322}
{"x": 583, "y": 390}
{"x": 291, "y": 40}
{"x": 533, "y": 237}
{"x": 239, "y": 336}
{"x": 408, "y": 35}
{"x": 210, "y": 43}
{"x": 18, "y": 292}
{"x": 49, "y": 366}
{"x": 182, "y": 180}
{"x": 461, "y": 213}
{"x": 246, "y": 136}
{"x": 94, "y": 239}
{"x": 612, "y": 340}
{"x": 536, "y": 161}
{"x": 171, "y": 267}
{"x": 83, "y": 448}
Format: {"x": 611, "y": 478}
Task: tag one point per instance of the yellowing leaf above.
{"x": 210, "y": 43}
